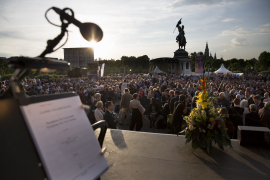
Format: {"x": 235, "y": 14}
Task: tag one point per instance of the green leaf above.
{"x": 194, "y": 145}
{"x": 219, "y": 141}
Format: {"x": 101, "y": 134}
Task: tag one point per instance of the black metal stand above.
{"x": 103, "y": 126}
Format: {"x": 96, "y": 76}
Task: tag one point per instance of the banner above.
{"x": 199, "y": 64}
{"x": 102, "y": 70}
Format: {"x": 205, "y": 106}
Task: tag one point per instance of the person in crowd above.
{"x": 223, "y": 113}
{"x": 238, "y": 96}
{"x": 241, "y": 94}
{"x": 162, "y": 123}
{"x": 244, "y": 104}
{"x": 91, "y": 96}
{"x": 171, "y": 93}
{"x": 108, "y": 116}
{"x": 252, "y": 118}
{"x": 266, "y": 97}
{"x": 264, "y": 114}
{"x": 157, "y": 94}
{"x": 99, "y": 114}
{"x": 137, "y": 113}
{"x": 146, "y": 92}
{"x": 216, "y": 103}
{"x": 91, "y": 113}
{"x": 165, "y": 98}
{"x": 224, "y": 102}
{"x": 151, "y": 95}
{"x": 216, "y": 94}
{"x": 117, "y": 93}
{"x": 163, "y": 87}
{"x": 103, "y": 95}
{"x": 175, "y": 99}
{"x": 194, "y": 100}
{"x": 141, "y": 93}
{"x": 154, "y": 112}
{"x": 180, "y": 110}
{"x": 32, "y": 92}
{"x": 229, "y": 98}
{"x": 124, "y": 106}
{"x": 124, "y": 86}
{"x": 80, "y": 94}
{"x": 248, "y": 97}
{"x": 110, "y": 94}
{"x": 236, "y": 115}
{"x": 257, "y": 101}
{"x": 188, "y": 100}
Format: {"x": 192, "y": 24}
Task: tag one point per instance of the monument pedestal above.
{"x": 184, "y": 61}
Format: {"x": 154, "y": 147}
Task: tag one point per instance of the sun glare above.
{"x": 92, "y": 44}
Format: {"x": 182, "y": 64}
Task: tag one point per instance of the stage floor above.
{"x": 137, "y": 155}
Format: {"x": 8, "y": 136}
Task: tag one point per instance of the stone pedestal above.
{"x": 184, "y": 61}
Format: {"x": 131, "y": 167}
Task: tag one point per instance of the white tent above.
{"x": 158, "y": 71}
{"x": 222, "y": 69}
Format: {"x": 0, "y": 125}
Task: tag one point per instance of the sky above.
{"x": 233, "y": 29}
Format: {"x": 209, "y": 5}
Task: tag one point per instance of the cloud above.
{"x": 265, "y": 29}
{"x": 228, "y": 20}
{"x": 181, "y": 3}
{"x": 240, "y": 42}
{"x": 224, "y": 50}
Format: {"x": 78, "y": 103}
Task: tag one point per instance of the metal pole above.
{"x": 174, "y": 29}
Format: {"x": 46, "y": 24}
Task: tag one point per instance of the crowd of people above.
{"x": 244, "y": 99}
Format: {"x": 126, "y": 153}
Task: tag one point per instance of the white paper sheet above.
{"x": 65, "y": 139}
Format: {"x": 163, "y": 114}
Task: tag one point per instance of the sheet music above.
{"x": 65, "y": 139}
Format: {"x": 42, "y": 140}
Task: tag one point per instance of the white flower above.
{"x": 191, "y": 127}
{"x": 212, "y": 110}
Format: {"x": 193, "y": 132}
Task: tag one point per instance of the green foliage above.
{"x": 264, "y": 62}
{"x": 135, "y": 64}
{"x": 4, "y": 69}
{"x": 265, "y": 72}
{"x": 6, "y": 77}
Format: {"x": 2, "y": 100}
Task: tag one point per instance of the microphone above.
{"x": 90, "y": 31}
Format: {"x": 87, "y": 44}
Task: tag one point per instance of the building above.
{"x": 210, "y": 57}
{"x": 79, "y": 57}
{"x": 206, "y": 53}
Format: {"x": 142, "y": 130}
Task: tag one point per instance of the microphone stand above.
{"x": 52, "y": 43}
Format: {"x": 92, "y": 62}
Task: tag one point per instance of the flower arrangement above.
{"x": 204, "y": 124}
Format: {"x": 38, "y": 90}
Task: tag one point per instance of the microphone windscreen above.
{"x": 91, "y": 32}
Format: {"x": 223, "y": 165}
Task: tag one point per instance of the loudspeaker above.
{"x": 253, "y": 136}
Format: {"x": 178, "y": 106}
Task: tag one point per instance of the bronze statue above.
{"x": 181, "y": 39}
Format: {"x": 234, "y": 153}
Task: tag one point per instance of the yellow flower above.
{"x": 204, "y": 105}
{"x": 211, "y": 119}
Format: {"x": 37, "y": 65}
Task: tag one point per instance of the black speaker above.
{"x": 253, "y": 136}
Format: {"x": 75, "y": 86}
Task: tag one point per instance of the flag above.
{"x": 102, "y": 70}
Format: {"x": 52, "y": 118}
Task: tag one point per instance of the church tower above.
{"x": 206, "y": 52}
{"x": 215, "y": 57}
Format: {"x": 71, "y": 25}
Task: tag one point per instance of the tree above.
{"x": 264, "y": 62}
